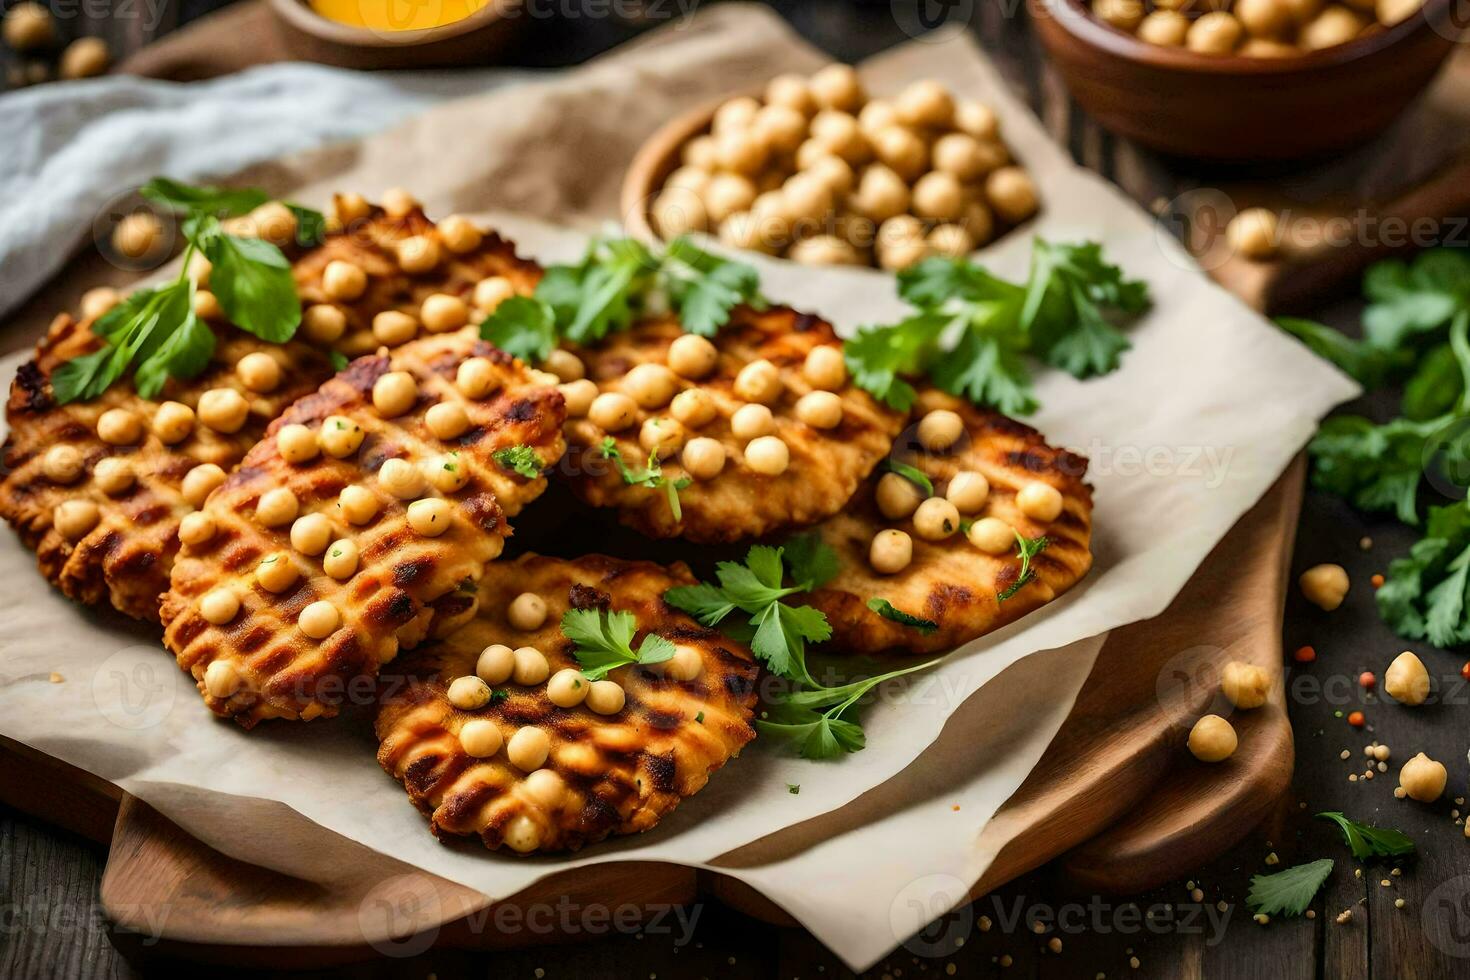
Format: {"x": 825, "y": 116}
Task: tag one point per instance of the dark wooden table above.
{"x": 51, "y": 926}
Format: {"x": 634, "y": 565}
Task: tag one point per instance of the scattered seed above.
{"x": 1272, "y": 859}
{"x": 1399, "y": 903}
{"x": 1344, "y": 917}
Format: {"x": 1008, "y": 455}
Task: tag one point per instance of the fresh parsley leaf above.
{"x": 140, "y": 334}
{"x": 1436, "y": 387}
{"x": 1425, "y": 594}
{"x": 1026, "y": 549}
{"x": 311, "y": 225}
{"x": 498, "y": 695}
{"x": 604, "y": 641}
{"x": 1289, "y": 892}
{"x": 988, "y": 371}
{"x": 1366, "y": 841}
{"x": 811, "y": 560}
{"x": 887, "y": 610}
{"x": 651, "y": 475}
{"x": 793, "y": 788}
{"x": 912, "y": 474}
{"x": 704, "y": 288}
{"x": 1071, "y": 293}
{"x": 523, "y": 327}
{"x": 252, "y": 280}
{"x": 816, "y": 735}
{"x": 878, "y": 357}
{"x": 222, "y": 202}
{"x": 520, "y": 459}
{"x": 1367, "y": 364}
{"x": 184, "y": 353}
{"x": 1409, "y": 302}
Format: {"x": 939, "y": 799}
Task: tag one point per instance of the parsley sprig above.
{"x": 651, "y": 474}
{"x": 889, "y": 611}
{"x": 1367, "y": 841}
{"x": 520, "y": 459}
{"x": 971, "y": 331}
{"x": 1026, "y": 549}
{"x": 155, "y": 333}
{"x": 604, "y": 641}
{"x": 617, "y": 281}
{"x": 1289, "y": 892}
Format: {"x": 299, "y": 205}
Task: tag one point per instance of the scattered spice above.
{"x": 1344, "y": 917}
{"x": 1355, "y": 719}
{"x": 1377, "y": 581}
{"x": 1367, "y": 681}
{"x": 1307, "y": 654}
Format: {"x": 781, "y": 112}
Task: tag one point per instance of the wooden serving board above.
{"x": 1117, "y": 796}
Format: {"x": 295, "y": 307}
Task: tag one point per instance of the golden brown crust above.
{"x": 951, "y": 582}
{"x": 619, "y": 773}
{"x": 406, "y": 585}
{"x": 125, "y": 559}
{"x": 826, "y": 465}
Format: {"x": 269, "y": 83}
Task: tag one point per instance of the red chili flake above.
{"x": 1367, "y": 680}
{"x": 1465, "y": 670}
{"x": 1306, "y": 654}
{"x": 1377, "y": 581}
{"x": 1356, "y": 719}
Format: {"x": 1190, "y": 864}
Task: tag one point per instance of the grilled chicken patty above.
{"x": 538, "y": 768}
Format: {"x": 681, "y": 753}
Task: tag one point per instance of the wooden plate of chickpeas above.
{"x": 1245, "y": 81}
{"x": 816, "y": 171}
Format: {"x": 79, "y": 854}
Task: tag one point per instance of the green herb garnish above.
{"x": 519, "y": 459}
{"x": 912, "y": 474}
{"x": 1026, "y": 549}
{"x": 1289, "y": 892}
{"x": 651, "y": 475}
{"x": 887, "y": 610}
{"x": 1366, "y": 841}
{"x": 604, "y": 641}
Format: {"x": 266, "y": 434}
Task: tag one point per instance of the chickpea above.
{"x": 940, "y": 429}
{"x": 96, "y": 302}
{"x": 319, "y": 620}
{"x": 219, "y": 606}
{"x": 833, "y": 173}
{"x": 430, "y": 517}
{"x": 606, "y": 697}
{"x": 114, "y": 475}
{"x": 767, "y": 455}
{"x": 977, "y": 120}
{"x": 341, "y": 559}
{"x": 1264, "y": 18}
{"x": 401, "y": 478}
{"x": 137, "y": 235}
{"x": 950, "y": 240}
{"x": 200, "y": 482}
{"x": 206, "y": 306}
{"x": 1011, "y": 193}
{"x": 791, "y": 91}
{"x": 479, "y": 738}
{"x": 223, "y": 410}
{"x": 727, "y": 194}
{"x": 1217, "y": 32}
{"x": 741, "y": 151}
{"x": 447, "y": 420}
{"x": 825, "y": 368}
{"x": 902, "y": 151}
{"x": 546, "y": 787}
{"x": 734, "y": 114}
{"x": 75, "y": 518}
{"x": 700, "y": 152}
{"x": 340, "y": 436}
{"x": 446, "y": 472}
{"x": 805, "y": 200}
{"x": 1125, "y": 15}
{"x": 900, "y": 253}
{"x": 119, "y": 427}
{"x": 1040, "y": 501}
{"x": 28, "y": 26}
{"x": 199, "y": 269}
{"x": 530, "y": 666}
{"x": 613, "y": 411}
{"x": 686, "y": 664}
{"x": 1262, "y": 47}
{"x": 897, "y": 497}
{"x": 276, "y": 572}
{"x": 578, "y": 396}
{"x": 978, "y": 222}
{"x": 496, "y": 663}
{"x": 1406, "y": 680}
{"x": 839, "y": 134}
{"x": 1253, "y": 234}
{"x": 1335, "y": 25}
{"x": 938, "y": 196}
{"x": 692, "y": 356}
{"x": 221, "y": 679}
{"x": 441, "y": 312}
{"x": 824, "y": 250}
{"x": 1325, "y": 585}
{"x": 393, "y": 328}
{"x": 752, "y": 422}
{"x": 703, "y": 458}
{"x": 992, "y": 536}
{"x": 490, "y": 292}
{"x": 86, "y": 57}
{"x": 398, "y": 202}
{"x": 688, "y": 178}
{"x": 296, "y": 443}
{"x": 395, "y": 393}
{"x": 678, "y": 211}
{"x": 271, "y": 222}
{"x": 418, "y": 254}
{"x": 1245, "y": 685}
{"x": 277, "y": 507}
{"x": 343, "y": 281}
{"x": 311, "y": 534}
{"x": 968, "y": 491}
{"x": 780, "y": 127}
{"x": 528, "y": 748}
{"x": 820, "y": 409}
{"x": 357, "y": 504}
{"x": 476, "y": 378}
{"x": 837, "y": 87}
{"x": 567, "y": 688}
{"x": 1423, "y": 779}
{"x": 522, "y": 835}
{"x": 693, "y": 408}
{"x": 936, "y": 519}
{"x": 468, "y": 693}
{"x": 890, "y": 552}
{"x": 1166, "y": 28}
{"x": 1391, "y": 12}
{"x": 323, "y": 323}
{"x": 527, "y": 612}
{"x": 1212, "y": 739}
{"x": 651, "y": 385}
{"x": 62, "y": 464}
{"x": 759, "y": 382}
{"x": 196, "y": 528}
{"x": 173, "y": 422}
{"x": 350, "y": 208}
{"x": 876, "y": 115}
{"x": 661, "y": 437}
{"x": 880, "y": 194}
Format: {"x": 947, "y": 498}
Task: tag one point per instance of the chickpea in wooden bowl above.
{"x": 1245, "y": 81}
{"x": 816, "y": 171}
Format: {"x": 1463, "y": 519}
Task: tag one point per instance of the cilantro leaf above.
{"x": 887, "y": 610}
{"x": 651, "y": 475}
{"x": 1366, "y": 841}
{"x": 222, "y": 202}
{"x": 253, "y": 282}
{"x": 1026, "y": 549}
{"x": 140, "y": 331}
{"x": 707, "y": 603}
{"x": 1289, "y": 892}
{"x": 912, "y": 474}
{"x": 520, "y": 459}
{"x": 812, "y": 561}
{"x": 1369, "y": 365}
{"x": 1071, "y": 292}
{"x": 311, "y": 225}
{"x": 603, "y": 641}
{"x": 704, "y": 288}
{"x": 878, "y": 356}
{"x": 1411, "y": 301}
{"x": 1424, "y": 595}
{"x": 523, "y": 327}
{"x": 1436, "y": 386}
{"x": 814, "y": 735}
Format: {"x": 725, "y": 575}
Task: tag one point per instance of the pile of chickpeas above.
{"x": 819, "y": 173}
{"x": 937, "y": 518}
{"x": 30, "y": 31}
{"x": 1255, "y": 28}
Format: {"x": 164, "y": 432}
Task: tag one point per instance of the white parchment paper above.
{"x": 1207, "y": 410}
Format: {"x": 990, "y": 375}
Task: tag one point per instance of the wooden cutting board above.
{"x": 1116, "y": 796}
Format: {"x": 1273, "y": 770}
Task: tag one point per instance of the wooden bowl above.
{"x": 477, "y": 39}
{"x": 1237, "y": 109}
{"x": 655, "y": 160}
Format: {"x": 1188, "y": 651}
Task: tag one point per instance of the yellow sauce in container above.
{"x": 397, "y": 15}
